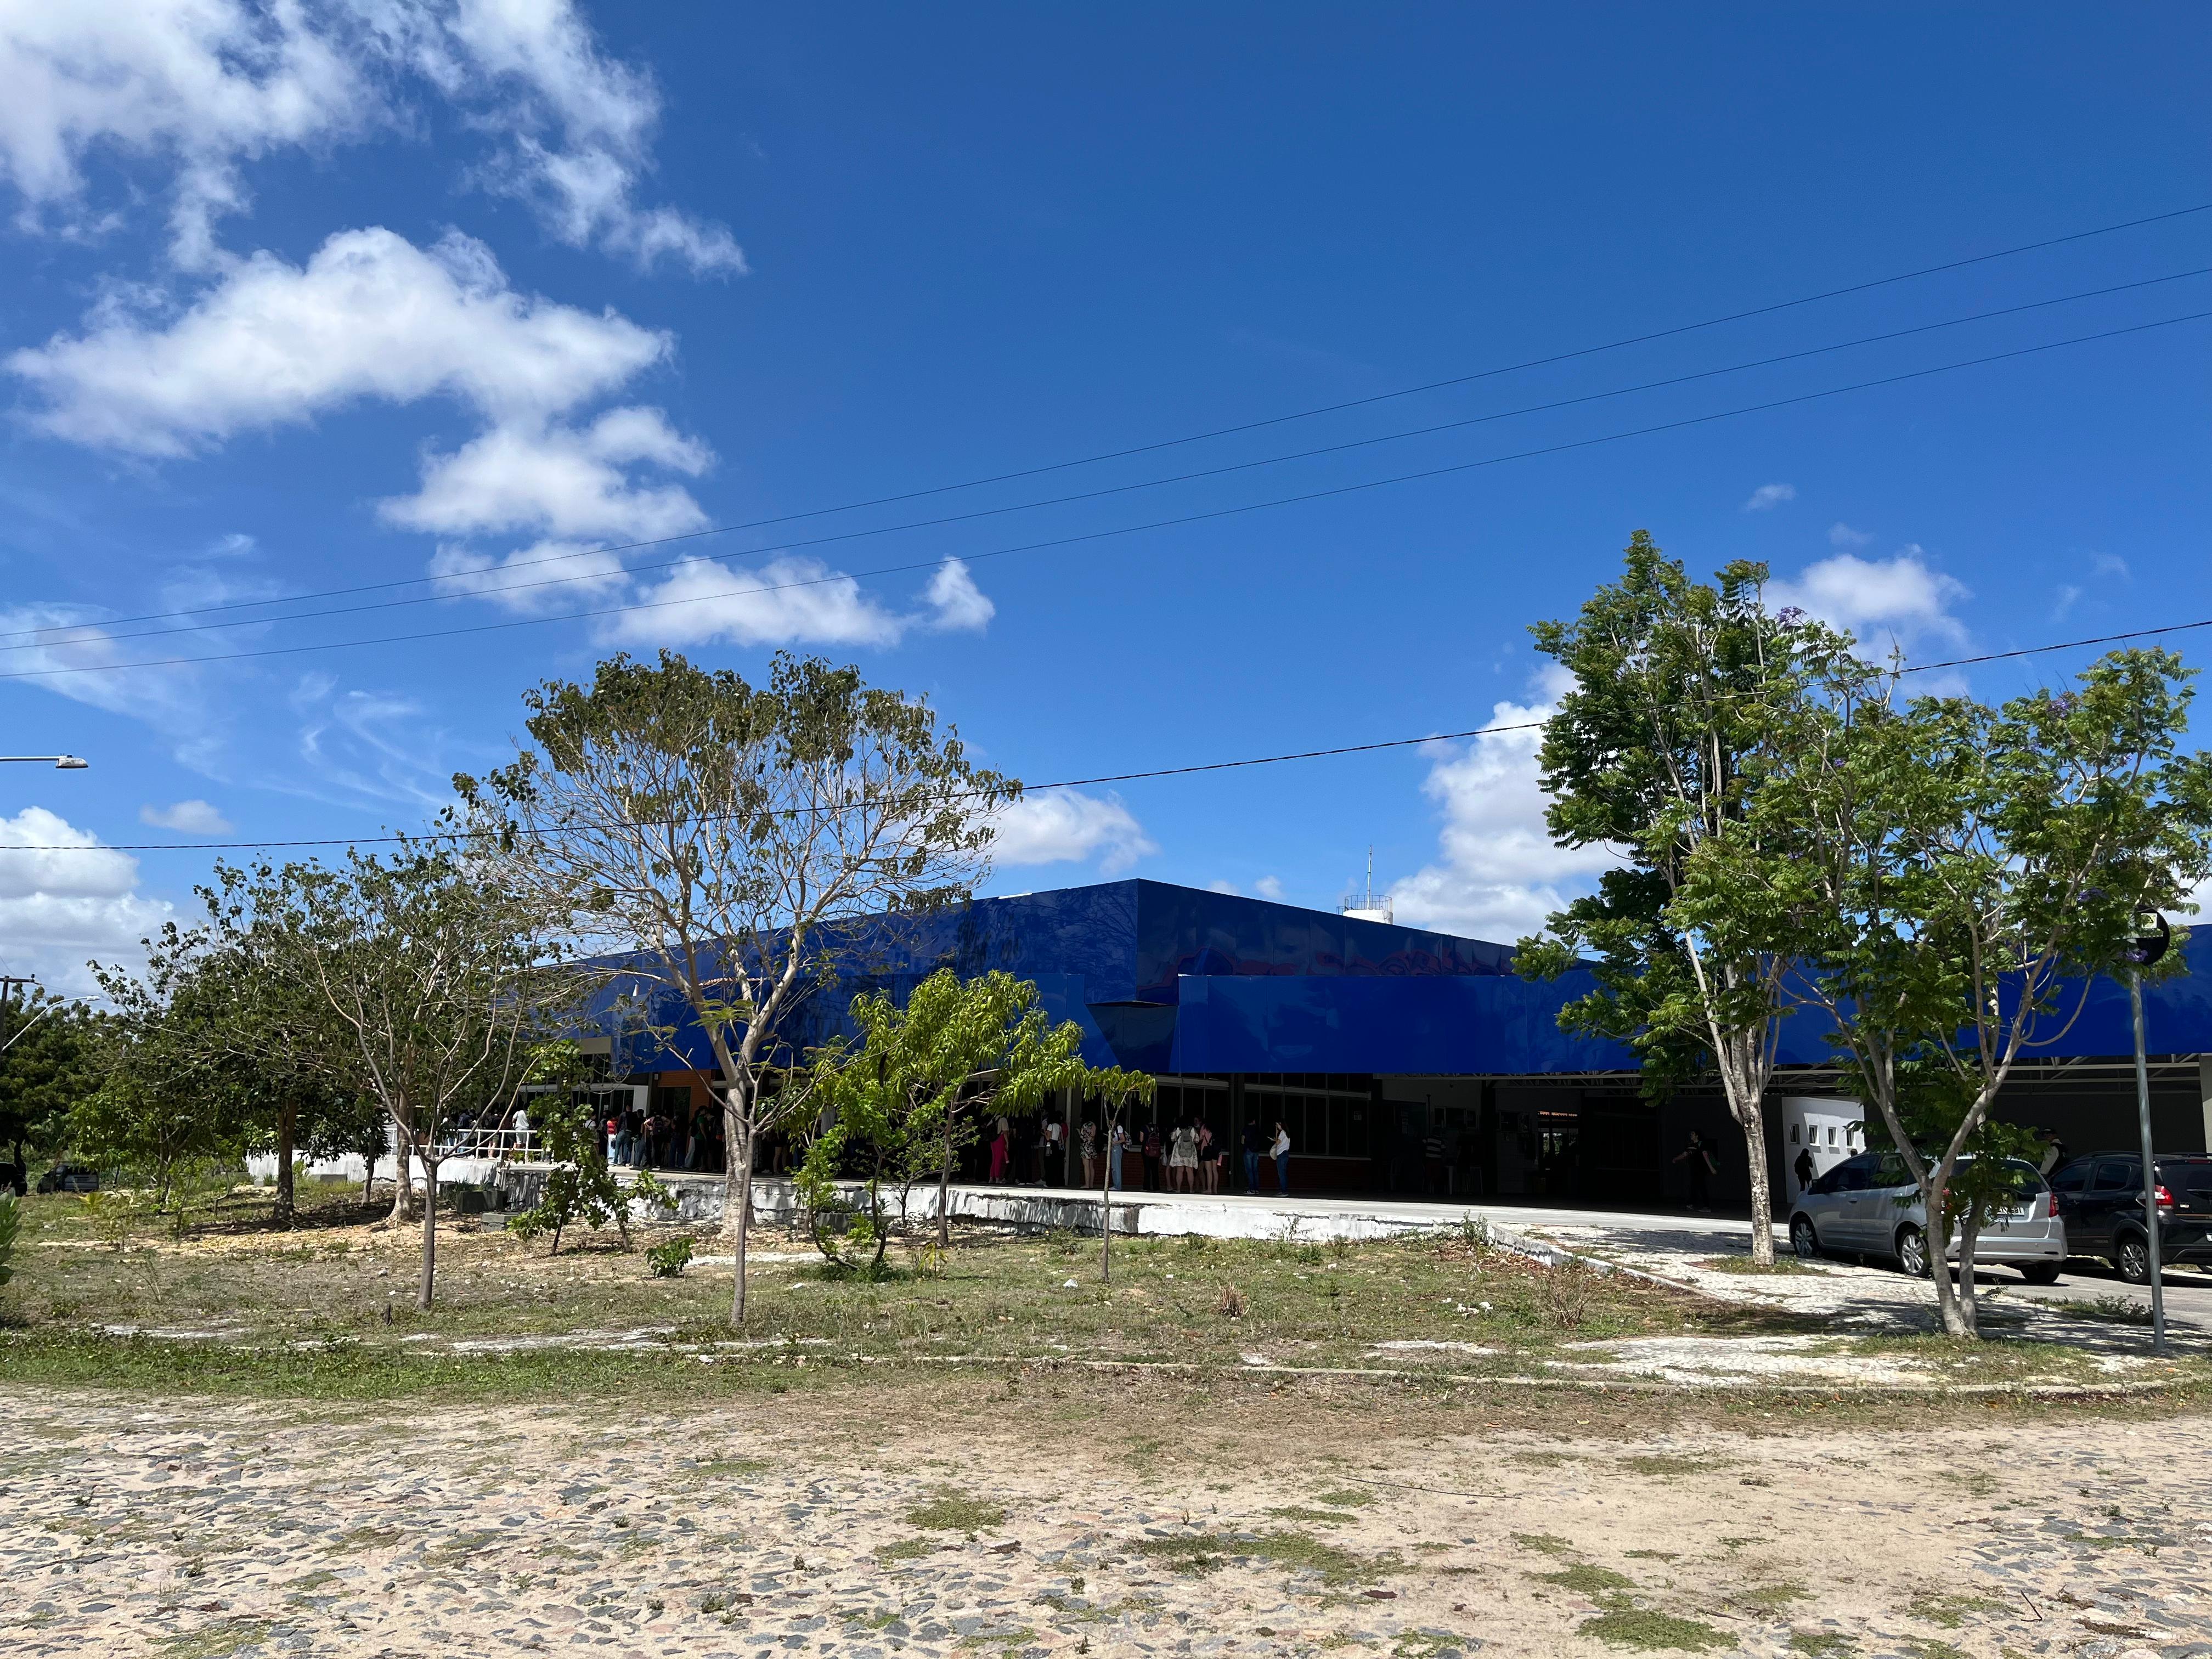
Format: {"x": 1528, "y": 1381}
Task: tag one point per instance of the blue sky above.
{"x": 365, "y": 292}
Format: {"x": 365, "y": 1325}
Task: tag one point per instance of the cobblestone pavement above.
{"x": 194, "y": 1531}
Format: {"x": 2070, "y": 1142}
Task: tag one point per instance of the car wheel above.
{"x": 2134, "y": 1262}
{"x": 1913, "y": 1251}
{"x": 1804, "y": 1240}
{"x": 2043, "y": 1273}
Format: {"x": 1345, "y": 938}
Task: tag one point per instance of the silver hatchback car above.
{"x": 1869, "y": 1205}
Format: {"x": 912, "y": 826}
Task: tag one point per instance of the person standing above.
{"x": 1802, "y": 1169}
{"x": 1086, "y": 1143}
{"x": 1054, "y": 1171}
{"x": 1701, "y": 1167}
{"x": 1152, "y": 1148}
{"x": 1281, "y": 1150}
{"x": 1001, "y": 1148}
{"x": 1182, "y": 1158}
{"x": 1209, "y": 1164}
{"x": 1117, "y": 1144}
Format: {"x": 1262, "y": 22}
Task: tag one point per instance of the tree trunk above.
{"x": 741, "y": 1146}
{"x": 287, "y": 1125}
{"x": 1762, "y": 1197}
{"x": 1742, "y": 1077}
{"x": 945, "y": 1185}
{"x": 1106, "y": 1204}
{"x": 402, "y": 1177}
{"x": 429, "y": 1232}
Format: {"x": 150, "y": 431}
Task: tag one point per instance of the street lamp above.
{"x": 2148, "y": 949}
{"x": 62, "y": 762}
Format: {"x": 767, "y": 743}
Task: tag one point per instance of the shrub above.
{"x": 1231, "y": 1305}
{"x": 668, "y": 1260}
{"x": 11, "y": 1223}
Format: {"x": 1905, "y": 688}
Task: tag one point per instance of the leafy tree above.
{"x": 168, "y": 1107}
{"x": 1649, "y": 755}
{"x": 437, "y": 981}
{"x": 725, "y": 834}
{"x": 907, "y": 1099}
{"x": 1947, "y": 868}
{"x": 580, "y": 1187}
{"x": 47, "y": 1063}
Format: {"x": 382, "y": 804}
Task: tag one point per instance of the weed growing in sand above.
{"x": 1586, "y": 1580}
{"x": 1349, "y": 1498}
{"x": 1773, "y": 1598}
{"x": 1198, "y": 1554}
{"x": 1951, "y": 1611}
{"x": 952, "y": 1510}
{"x": 1820, "y": 1643}
{"x": 1625, "y": 1625}
{"x": 1543, "y": 1543}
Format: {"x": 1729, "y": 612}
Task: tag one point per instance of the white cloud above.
{"x": 2110, "y": 564}
{"x": 59, "y": 909}
{"x": 1498, "y": 874}
{"x": 1768, "y": 496}
{"x": 357, "y": 746}
{"x": 188, "y": 818}
{"x": 1221, "y": 885}
{"x": 560, "y": 481}
{"x": 786, "y": 601}
{"x": 959, "y": 604}
{"x": 1065, "y": 826}
{"x": 1268, "y": 887}
{"x": 2069, "y": 595}
{"x": 1842, "y": 535}
{"x": 1899, "y": 599}
{"x": 196, "y": 87}
{"x": 369, "y": 316}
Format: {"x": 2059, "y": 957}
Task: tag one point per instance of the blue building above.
{"x": 1407, "y": 1061}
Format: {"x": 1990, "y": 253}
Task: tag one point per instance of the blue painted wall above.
{"x": 1173, "y": 979}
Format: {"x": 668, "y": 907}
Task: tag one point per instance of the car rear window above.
{"x": 2194, "y": 1179}
{"x": 2116, "y": 1176}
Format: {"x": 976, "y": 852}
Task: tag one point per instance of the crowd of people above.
{"x": 1185, "y": 1156}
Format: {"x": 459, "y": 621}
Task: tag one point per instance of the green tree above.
{"x": 1114, "y": 1090}
{"x": 439, "y": 980}
{"x": 1649, "y": 755}
{"x": 48, "y": 1047}
{"x": 905, "y": 1101}
{"x": 1949, "y": 869}
{"x": 579, "y": 1186}
{"x": 723, "y": 835}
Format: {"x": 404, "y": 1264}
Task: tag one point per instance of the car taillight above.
{"x": 2164, "y": 1199}
{"x": 2054, "y": 1201}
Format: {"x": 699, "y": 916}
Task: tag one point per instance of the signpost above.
{"x": 2149, "y": 948}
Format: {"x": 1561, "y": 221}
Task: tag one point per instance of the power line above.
{"x": 1247, "y": 426}
{"x": 1101, "y": 535}
{"x": 102, "y": 632}
{"x": 1192, "y": 770}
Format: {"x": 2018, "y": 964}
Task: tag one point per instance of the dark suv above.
{"x": 2101, "y": 1197}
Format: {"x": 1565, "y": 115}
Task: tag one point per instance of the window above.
{"x": 1853, "y": 1175}
{"x": 2115, "y": 1174}
{"x": 1832, "y": 1134}
{"x": 2071, "y": 1179}
{"x": 1793, "y": 1134}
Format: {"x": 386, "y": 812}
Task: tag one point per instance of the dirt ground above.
{"x": 1040, "y": 1513}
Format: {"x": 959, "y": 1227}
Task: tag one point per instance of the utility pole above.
{"x": 2148, "y": 949}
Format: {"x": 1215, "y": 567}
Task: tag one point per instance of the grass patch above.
{"x": 956, "y": 1511}
{"x": 1586, "y": 1580}
{"x": 2111, "y": 1309}
{"x": 1626, "y": 1625}
{"x": 1350, "y": 1498}
{"x": 1198, "y": 1554}
{"x": 1923, "y": 1649}
{"x": 1317, "y": 1517}
{"x": 1667, "y": 1463}
{"x": 1951, "y": 1611}
{"x": 1820, "y": 1643}
{"x": 1744, "y": 1264}
{"x": 1543, "y": 1543}
{"x": 907, "y": 1549}
{"x": 1773, "y": 1598}
{"x": 216, "y": 1641}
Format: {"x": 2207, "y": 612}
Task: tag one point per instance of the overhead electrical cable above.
{"x": 1155, "y": 772}
{"x": 756, "y": 588}
{"x": 1248, "y": 426}
{"x": 103, "y": 632}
